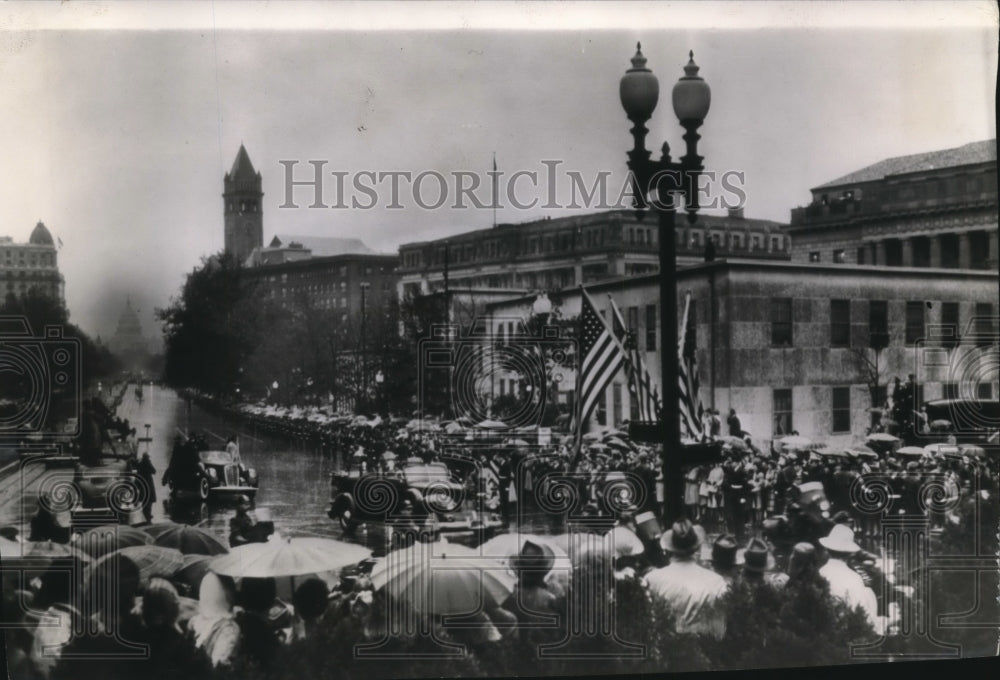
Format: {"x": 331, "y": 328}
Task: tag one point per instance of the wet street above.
{"x": 294, "y": 483}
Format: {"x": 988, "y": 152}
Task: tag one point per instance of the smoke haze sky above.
{"x": 118, "y": 139}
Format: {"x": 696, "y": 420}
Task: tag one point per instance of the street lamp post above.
{"x": 639, "y": 91}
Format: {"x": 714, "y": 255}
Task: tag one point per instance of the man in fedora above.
{"x": 725, "y": 558}
{"x": 845, "y": 583}
{"x": 757, "y": 562}
{"x": 693, "y": 593}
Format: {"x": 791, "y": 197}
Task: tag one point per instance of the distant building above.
{"x": 128, "y": 343}
{"x": 784, "y": 343}
{"x": 934, "y": 209}
{"x": 242, "y": 195}
{"x": 345, "y": 284}
{"x": 551, "y": 254}
{"x": 31, "y": 265}
{"x": 288, "y": 248}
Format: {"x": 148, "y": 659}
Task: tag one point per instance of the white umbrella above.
{"x": 442, "y": 578}
{"x": 491, "y": 425}
{"x": 288, "y": 557}
{"x": 882, "y": 437}
{"x": 626, "y": 542}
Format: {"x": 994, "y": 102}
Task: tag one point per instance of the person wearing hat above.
{"x": 532, "y": 602}
{"x": 693, "y": 593}
{"x": 757, "y": 561}
{"x": 845, "y": 583}
{"x": 243, "y": 527}
{"x": 725, "y": 558}
{"x": 50, "y": 522}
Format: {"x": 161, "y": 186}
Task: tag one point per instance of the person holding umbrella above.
{"x": 244, "y": 527}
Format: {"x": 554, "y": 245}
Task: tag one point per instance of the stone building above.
{"x": 550, "y": 254}
{"x": 242, "y": 207}
{"x": 787, "y": 344}
{"x": 31, "y": 265}
{"x": 936, "y": 209}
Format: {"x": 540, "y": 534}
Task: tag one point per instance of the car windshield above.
{"x": 422, "y": 475}
{"x": 216, "y": 457}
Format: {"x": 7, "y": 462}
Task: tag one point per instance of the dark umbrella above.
{"x": 187, "y": 539}
{"x": 106, "y": 539}
{"x": 152, "y": 560}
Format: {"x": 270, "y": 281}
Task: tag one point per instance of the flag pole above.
{"x": 494, "y": 189}
{"x": 578, "y": 401}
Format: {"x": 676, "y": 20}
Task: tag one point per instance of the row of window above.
{"x": 782, "y": 322}
{"x": 920, "y": 252}
{"x": 29, "y": 260}
{"x": 586, "y": 237}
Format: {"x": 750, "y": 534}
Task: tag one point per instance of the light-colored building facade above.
{"x": 936, "y": 209}
{"x": 786, "y": 344}
{"x": 31, "y": 265}
{"x": 552, "y": 254}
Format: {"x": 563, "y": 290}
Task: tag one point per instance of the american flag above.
{"x": 601, "y": 359}
{"x": 641, "y": 386}
{"x": 690, "y": 403}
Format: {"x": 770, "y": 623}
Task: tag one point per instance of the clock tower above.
{"x": 244, "y": 222}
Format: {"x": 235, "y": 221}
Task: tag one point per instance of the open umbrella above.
{"x": 288, "y": 557}
{"x": 55, "y": 550}
{"x": 442, "y": 578}
{"x": 491, "y": 425}
{"x": 910, "y": 451}
{"x": 795, "y": 441}
{"x": 505, "y": 546}
{"x": 189, "y": 540}
{"x": 941, "y": 424}
{"x": 938, "y": 448}
{"x": 733, "y": 442}
{"x": 972, "y": 450}
{"x": 106, "y": 539}
{"x": 453, "y": 428}
{"x": 884, "y": 437}
{"x": 616, "y": 443}
{"x": 194, "y": 570}
{"x": 834, "y": 453}
{"x": 862, "y": 453}
{"x": 152, "y": 560}
{"x": 592, "y": 437}
{"x": 625, "y": 542}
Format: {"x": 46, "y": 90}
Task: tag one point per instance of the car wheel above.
{"x": 203, "y": 489}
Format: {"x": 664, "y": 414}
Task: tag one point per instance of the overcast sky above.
{"x": 118, "y": 140}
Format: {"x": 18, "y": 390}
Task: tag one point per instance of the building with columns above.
{"x": 935, "y": 210}
{"x": 788, "y": 344}
{"x": 31, "y": 265}
{"x": 551, "y": 254}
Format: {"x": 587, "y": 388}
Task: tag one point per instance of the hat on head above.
{"x": 802, "y": 559}
{"x": 724, "y": 552}
{"x": 536, "y": 557}
{"x": 243, "y": 501}
{"x": 912, "y": 465}
{"x": 757, "y": 557}
{"x": 683, "y": 538}
{"x": 840, "y": 540}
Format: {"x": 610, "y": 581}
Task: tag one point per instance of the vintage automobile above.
{"x": 106, "y": 493}
{"x": 426, "y": 494}
{"x": 198, "y": 472}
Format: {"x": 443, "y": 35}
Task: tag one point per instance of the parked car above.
{"x": 196, "y": 471}
{"x": 426, "y": 493}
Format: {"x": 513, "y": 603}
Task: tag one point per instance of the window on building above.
{"x": 841, "y": 399}
{"x": 781, "y": 407}
{"x": 914, "y": 321}
{"x": 616, "y": 398}
{"x": 878, "y": 323}
{"x": 893, "y": 252}
{"x": 950, "y": 390}
{"x": 650, "y": 328}
{"x": 602, "y": 409}
{"x": 984, "y": 328}
{"x": 949, "y": 324}
{"x": 839, "y": 256}
{"x": 633, "y": 407}
{"x": 861, "y": 255}
{"x": 840, "y": 323}
{"x": 632, "y": 319}
{"x": 781, "y": 322}
{"x": 814, "y": 256}
{"x": 984, "y": 390}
